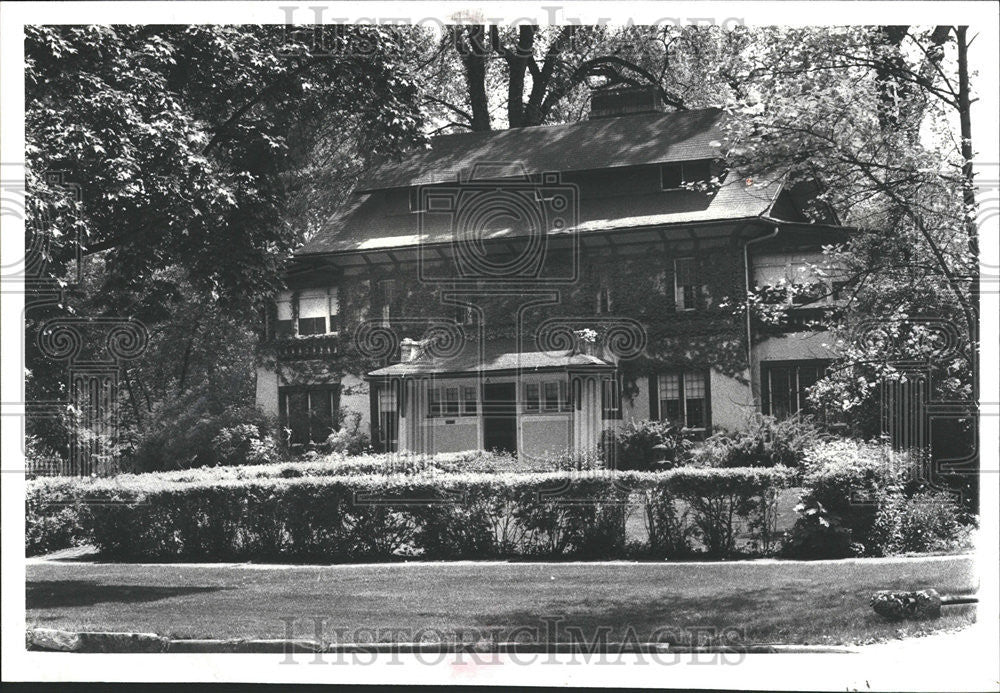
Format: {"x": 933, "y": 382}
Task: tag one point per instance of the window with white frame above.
{"x": 318, "y": 312}
{"x": 611, "y": 398}
{"x": 682, "y": 396}
{"x": 546, "y": 396}
{"x": 452, "y": 400}
{"x": 804, "y": 278}
{"x": 690, "y": 293}
{"x": 785, "y": 385}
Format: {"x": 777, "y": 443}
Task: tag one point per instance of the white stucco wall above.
{"x": 732, "y": 400}
{"x": 544, "y": 435}
{"x": 267, "y": 391}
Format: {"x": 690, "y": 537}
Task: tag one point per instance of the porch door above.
{"x": 500, "y": 417}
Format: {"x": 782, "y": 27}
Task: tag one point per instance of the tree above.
{"x": 203, "y": 154}
{"x": 881, "y": 117}
{"x": 186, "y": 140}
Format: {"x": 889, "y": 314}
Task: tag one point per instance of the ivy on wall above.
{"x": 641, "y": 288}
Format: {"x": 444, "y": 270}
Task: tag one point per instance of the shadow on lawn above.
{"x": 63, "y": 593}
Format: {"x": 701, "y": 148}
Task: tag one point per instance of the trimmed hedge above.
{"x": 448, "y": 516}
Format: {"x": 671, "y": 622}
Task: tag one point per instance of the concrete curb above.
{"x": 51, "y": 640}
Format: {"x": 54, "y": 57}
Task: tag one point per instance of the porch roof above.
{"x": 497, "y": 358}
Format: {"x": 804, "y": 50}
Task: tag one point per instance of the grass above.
{"x": 752, "y": 602}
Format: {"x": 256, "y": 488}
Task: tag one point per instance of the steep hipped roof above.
{"x": 634, "y": 140}
{"x": 366, "y": 224}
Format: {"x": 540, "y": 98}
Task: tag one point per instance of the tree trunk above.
{"x": 474, "y": 54}
{"x": 969, "y": 191}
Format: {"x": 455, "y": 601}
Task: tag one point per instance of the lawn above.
{"x": 751, "y": 602}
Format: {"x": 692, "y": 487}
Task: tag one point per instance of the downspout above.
{"x": 746, "y": 300}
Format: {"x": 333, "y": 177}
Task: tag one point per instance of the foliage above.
{"x": 189, "y": 434}
{"x": 53, "y": 517}
{"x": 265, "y": 512}
{"x": 348, "y": 439}
{"x": 879, "y": 115}
{"x": 924, "y": 522}
{"x": 864, "y": 498}
{"x": 649, "y": 445}
{"x": 845, "y": 479}
{"x": 764, "y": 442}
{"x": 244, "y": 444}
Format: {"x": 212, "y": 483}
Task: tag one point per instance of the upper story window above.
{"x": 317, "y": 312}
{"x": 690, "y": 293}
{"x": 385, "y": 294}
{"x": 678, "y": 174}
{"x": 602, "y": 303}
{"x": 798, "y": 279}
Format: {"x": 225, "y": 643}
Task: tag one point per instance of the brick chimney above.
{"x": 607, "y": 103}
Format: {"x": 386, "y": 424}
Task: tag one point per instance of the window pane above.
{"x": 808, "y": 375}
{"x": 451, "y": 400}
{"x": 297, "y": 413}
{"x": 551, "y": 396}
{"x": 563, "y": 397}
{"x": 434, "y": 401}
{"x": 685, "y": 270}
{"x": 320, "y": 416}
{"x": 471, "y": 401}
{"x": 670, "y": 386}
{"x": 695, "y": 413}
{"x": 313, "y": 304}
{"x": 694, "y": 386}
{"x": 781, "y": 395}
{"x": 531, "y": 397}
{"x": 670, "y": 409}
{"x": 309, "y": 326}
{"x": 695, "y": 171}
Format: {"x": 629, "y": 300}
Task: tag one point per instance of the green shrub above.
{"x": 720, "y": 498}
{"x": 647, "y": 446}
{"x": 229, "y": 513}
{"x": 765, "y": 442}
{"x": 925, "y": 522}
{"x": 244, "y": 444}
{"x": 348, "y": 439}
{"x": 183, "y": 436}
{"x": 53, "y": 515}
{"x": 845, "y": 481}
{"x": 848, "y": 478}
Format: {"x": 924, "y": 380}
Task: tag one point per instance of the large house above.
{"x": 529, "y": 289}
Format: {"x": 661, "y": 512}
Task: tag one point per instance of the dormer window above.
{"x": 678, "y": 174}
